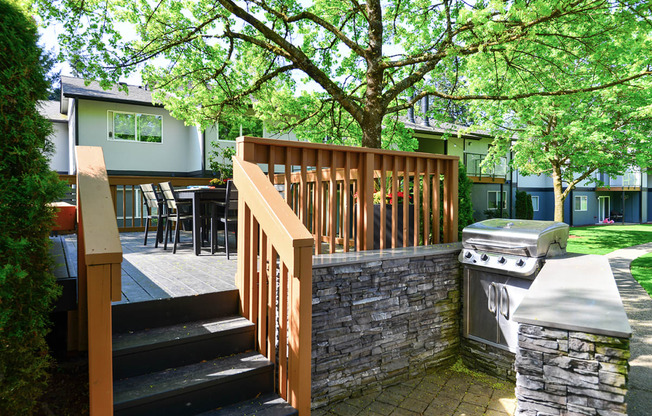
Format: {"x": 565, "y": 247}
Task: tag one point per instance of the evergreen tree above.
{"x": 27, "y": 285}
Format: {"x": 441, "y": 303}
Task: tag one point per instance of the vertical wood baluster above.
{"x": 383, "y": 201}
{"x": 255, "y": 277}
{"x": 435, "y": 203}
{"x": 346, "y": 192}
{"x": 262, "y": 295}
{"x": 418, "y": 167}
{"x": 332, "y": 189}
{"x": 303, "y": 190}
{"x": 317, "y": 210}
{"x": 427, "y": 213}
{"x": 394, "y": 201}
{"x": 283, "y": 333}
{"x": 271, "y": 310}
{"x": 406, "y": 201}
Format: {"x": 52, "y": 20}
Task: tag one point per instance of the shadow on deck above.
{"x": 150, "y": 273}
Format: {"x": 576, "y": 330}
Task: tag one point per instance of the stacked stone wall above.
{"x": 563, "y": 372}
{"x": 378, "y": 322}
{"x": 488, "y": 359}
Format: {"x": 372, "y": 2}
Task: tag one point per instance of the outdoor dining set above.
{"x": 204, "y": 207}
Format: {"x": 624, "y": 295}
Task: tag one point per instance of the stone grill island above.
{"x": 382, "y": 316}
{"x": 573, "y": 341}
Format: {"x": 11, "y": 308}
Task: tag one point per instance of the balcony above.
{"x": 496, "y": 173}
{"x": 630, "y": 181}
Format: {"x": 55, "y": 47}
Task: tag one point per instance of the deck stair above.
{"x": 189, "y": 356}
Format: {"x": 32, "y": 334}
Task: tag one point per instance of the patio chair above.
{"x": 174, "y": 214}
{"x": 154, "y": 205}
{"x": 229, "y": 216}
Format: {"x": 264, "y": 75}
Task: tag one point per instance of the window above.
{"x": 535, "y": 203}
{"x": 581, "y": 203}
{"x": 493, "y": 199}
{"x": 135, "y": 127}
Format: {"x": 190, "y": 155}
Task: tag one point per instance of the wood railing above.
{"x": 332, "y": 190}
{"x": 274, "y": 279}
{"x": 99, "y": 258}
{"x": 128, "y": 201}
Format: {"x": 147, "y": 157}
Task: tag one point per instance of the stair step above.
{"x": 264, "y": 405}
{"x": 194, "y": 388}
{"x": 150, "y": 350}
{"x": 164, "y": 312}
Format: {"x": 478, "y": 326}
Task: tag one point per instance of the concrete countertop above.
{"x": 339, "y": 259}
{"x": 576, "y": 293}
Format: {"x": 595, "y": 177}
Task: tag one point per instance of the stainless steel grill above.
{"x": 501, "y": 257}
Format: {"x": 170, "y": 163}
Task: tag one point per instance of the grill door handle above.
{"x": 491, "y": 299}
{"x": 504, "y": 302}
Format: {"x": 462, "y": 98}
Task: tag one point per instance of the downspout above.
{"x": 75, "y": 102}
{"x": 202, "y": 135}
{"x": 572, "y": 208}
{"x": 501, "y": 201}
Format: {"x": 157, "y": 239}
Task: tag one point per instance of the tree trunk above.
{"x": 560, "y": 196}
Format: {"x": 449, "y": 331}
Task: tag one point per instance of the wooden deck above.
{"x": 150, "y": 273}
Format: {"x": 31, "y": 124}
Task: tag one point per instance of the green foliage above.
{"x": 220, "y": 161}
{"x": 495, "y": 213}
{"x": 642, "y": 272}
{"x": 571, "y": 137}
{"x": 465, "y": 206}
{"x": 524, "y": 208}
{"x": 364, "y": 64}
{"x": 27, "y": 286}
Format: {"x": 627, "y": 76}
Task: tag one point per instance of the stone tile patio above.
{"x": 439, "y": 393}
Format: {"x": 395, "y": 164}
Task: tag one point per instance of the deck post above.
{"x": 100, "y": 370}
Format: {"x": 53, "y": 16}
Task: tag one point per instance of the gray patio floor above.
{"x": 150, "y": 273}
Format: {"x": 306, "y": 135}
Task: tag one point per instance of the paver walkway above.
{"x": 638, "y": 306}
{"x": 443, "y": 392}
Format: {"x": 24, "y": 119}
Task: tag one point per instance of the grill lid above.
{"x": 522, "y": 237}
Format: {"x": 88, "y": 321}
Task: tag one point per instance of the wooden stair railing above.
{"x": 99, "y": 258}
{"x": 275, "y": 262}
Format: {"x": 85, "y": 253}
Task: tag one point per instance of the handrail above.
{"x": 99, "y": 261}
{"x": 275, "y": 262}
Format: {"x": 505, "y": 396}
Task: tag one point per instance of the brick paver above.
{"x": 440, "y": 393}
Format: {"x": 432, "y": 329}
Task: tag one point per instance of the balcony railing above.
{"x": 628, "y": 180}
{"x": 128, "y": 202}
{"x": 473, "y": 163}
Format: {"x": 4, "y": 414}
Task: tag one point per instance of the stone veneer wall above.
{"x": 380, "y": 320}
{"x": 488, "y": 359}
{"x": 562, "y": 372}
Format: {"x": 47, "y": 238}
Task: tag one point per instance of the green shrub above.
{"x": 27, "y": 286}
{"x": 524, "y": 208}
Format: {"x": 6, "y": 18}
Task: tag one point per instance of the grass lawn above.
{"x": 603, "y": 239}
{"x": 642, "y": 271}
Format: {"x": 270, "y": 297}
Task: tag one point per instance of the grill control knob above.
{"x": 468, "y": 255}
{"x": 520, "y": 263}
{"x": 502, "y": 260}
{"x": 484, "y": 257}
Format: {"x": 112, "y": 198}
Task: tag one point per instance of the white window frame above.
{"x": 535, "y": 198}
{"x": 584, "y": 203}
{"x": 110, "y": 131}
{"x": 497, "y": 193}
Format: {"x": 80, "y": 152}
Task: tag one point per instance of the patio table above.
{"x": 199, "y": 196}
